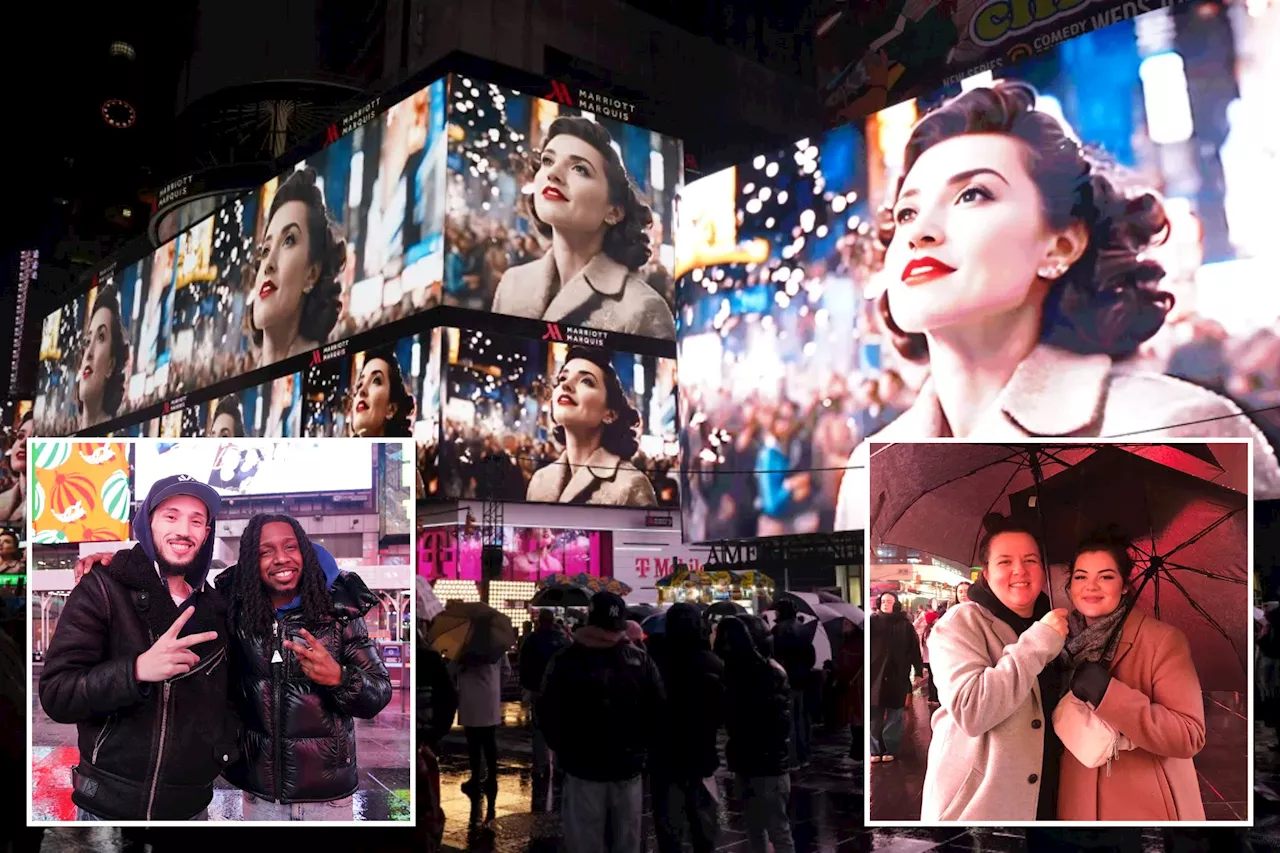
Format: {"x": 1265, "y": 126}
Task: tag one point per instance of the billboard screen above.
{"x": 256, "y": 467}
{"x": 527, "y": 174}
{"x": 912, "y": 275}
{"x": 348, "y": 240}
{"x": 545, "y": 422}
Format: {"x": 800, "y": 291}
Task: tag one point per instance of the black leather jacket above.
{"x": 299, "y": 741}
{"x": 147, "y": 751}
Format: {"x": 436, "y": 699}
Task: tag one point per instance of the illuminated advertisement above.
{"x": 256, "y": 467}
{"x": 445, "y": 201}
{"x": 392, "y": 391}
{"x": 526, "y": 173}
{"x": 529, "y": 553}
{"x": 81, "y": 492}
{"x": 907, "y": 250}
{"x": 555, "y": 422}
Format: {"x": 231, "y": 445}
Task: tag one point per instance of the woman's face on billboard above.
{"x": 969, "y": 235}
{"x": 579, "y": 399}
{"x": 571, "y": 193}
{"x": 285, "y": 270}
{"x": 1015, "y": 571}
{"x": 1096, "y": 584}
{"x": 96, "y": 365}
{"x": 224, "y": 426}
{"x": 372, "y": 399}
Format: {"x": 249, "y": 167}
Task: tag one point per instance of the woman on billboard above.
{"x": 13, "y": 501}
{"x": 228, "y": 420}
{"x": 296, "y": 293}
{"x": 584, "y": 201}
{"x": 598, "y": 429}
{"x": 381, "y": 406}
{"x": 100, "y": 382}
{"x": 1016, "y": 270}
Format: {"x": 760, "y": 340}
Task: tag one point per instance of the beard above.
{"x": 169, "y": 569}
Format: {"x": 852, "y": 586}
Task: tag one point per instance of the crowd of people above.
{"x": 615, "y": 711}
{"x": 767, "y": 467}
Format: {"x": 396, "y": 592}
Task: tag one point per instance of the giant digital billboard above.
{"x": 558, "y": 213}
{"x": 525, "y": 419}
{"x": 1071, "y": 245}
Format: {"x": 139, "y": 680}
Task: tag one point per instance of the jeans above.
{"x": 764, "y": 804}
{"x": 541, "y": 754}
{"x": 334, "y": 810}
{"x": 886, "y": 730}
{"x": 591, "y": 811}
{"x": 683, "y": 808}
{"x": 82, "y": 815}
{"x": 801, "y": 728}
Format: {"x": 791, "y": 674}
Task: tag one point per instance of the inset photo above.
{"x": 220, "y": 631}
{"x": 1060, "y": 632}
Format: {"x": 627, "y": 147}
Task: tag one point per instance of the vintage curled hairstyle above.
{"x": 993, "y": 524}
{"x": 399, "y": 425}
{"x": 622, "y": 437}
{"x": 1108, "y": 302}
{"x": 628, "y": 241}
{"x": 248, "y": 603}
{"x": 326, "y": 249}
{"x": 113, "y": 390}
{"x": 230, "y": 406}
{"x": 1107, "y": 540}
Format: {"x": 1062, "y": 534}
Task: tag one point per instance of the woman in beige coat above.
{"x": 993, "y": 756}
{"x": 1141, "y": 682}
{"x": 599, "y": 430}
{"x": 1017, "y": 272}
{"x": 599, "y": 226}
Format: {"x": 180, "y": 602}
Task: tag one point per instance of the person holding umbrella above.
{"x": 895, "y": 651}
{"x": 1136, "y": 675}
{"x": 994, "y": 755}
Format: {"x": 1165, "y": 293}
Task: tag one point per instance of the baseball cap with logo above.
{"x": 182, "y": 484}
{"x": 608, "y": 611}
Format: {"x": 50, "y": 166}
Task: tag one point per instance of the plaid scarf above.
{"x": 1094, "y": 643}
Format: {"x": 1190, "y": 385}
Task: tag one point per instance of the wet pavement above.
{"x": 1222, "y": 766}
{"x": 383, "y": 749}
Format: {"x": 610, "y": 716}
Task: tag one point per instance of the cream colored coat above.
{"x": 1055, "y": 393}
{"x": 605, "y": 480}
{"x": 988, "y": 736}
{"x": 603, "y": 295}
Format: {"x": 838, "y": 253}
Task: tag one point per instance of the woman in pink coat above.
{"x": 1143, "y": 684}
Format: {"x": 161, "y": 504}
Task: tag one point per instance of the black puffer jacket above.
{"x": 147, "y": 751}
{"x": 757, "y": 716}
{"x": 299, "y": 737}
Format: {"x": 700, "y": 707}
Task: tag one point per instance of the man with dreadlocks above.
{"x": 305, "y": 668}
{"x": 150, "y": 702}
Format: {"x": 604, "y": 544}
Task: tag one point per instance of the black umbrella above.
{"x": 721, "y": 609}
{"x": 639, "y": 612}
{"x": 562, "y": 595}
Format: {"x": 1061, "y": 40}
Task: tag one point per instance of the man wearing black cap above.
{"x": 145, "y": 684}
{"x": 601, "y": 708}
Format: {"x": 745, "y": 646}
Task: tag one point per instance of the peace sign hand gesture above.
{"x": 317, "y": 664}
{"x": 171, "y": 655}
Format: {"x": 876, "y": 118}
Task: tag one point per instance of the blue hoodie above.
{"x": 330, "y": 567}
